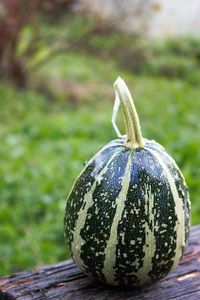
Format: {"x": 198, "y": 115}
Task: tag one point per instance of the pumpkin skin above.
{"x": 127, "y": 216}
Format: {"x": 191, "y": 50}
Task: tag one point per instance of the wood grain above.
{"x": 64, "y": 281}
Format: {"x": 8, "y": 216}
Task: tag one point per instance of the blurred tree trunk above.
{"x": 12, "y": 70}
{"x": 15, "y": 17}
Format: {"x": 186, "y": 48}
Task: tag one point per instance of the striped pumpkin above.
{"x": 128, "y": 214}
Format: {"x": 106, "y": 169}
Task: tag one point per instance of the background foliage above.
{"x": 62, "y": 116}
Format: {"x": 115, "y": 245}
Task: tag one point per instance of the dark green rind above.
{"x": 82, "y": 186}
{"x": 179, "y": 182}
{"x": 96, "y": 231}
{"x": 146, "y": 171}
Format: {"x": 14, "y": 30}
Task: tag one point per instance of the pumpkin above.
{"x": 127, "y": 216}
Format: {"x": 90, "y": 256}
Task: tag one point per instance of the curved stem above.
{"x": 133, "y": 129}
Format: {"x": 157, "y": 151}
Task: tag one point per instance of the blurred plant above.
{"x": 20, "y": 19}
{"x": 168, "y": 58}
{"x": 134, "y": 13}
{"x": 28, "y": 40}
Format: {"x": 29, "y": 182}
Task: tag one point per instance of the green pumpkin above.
{"x": 127, "y": 216}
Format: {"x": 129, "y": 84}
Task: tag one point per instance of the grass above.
{"x": 44, "y": 144}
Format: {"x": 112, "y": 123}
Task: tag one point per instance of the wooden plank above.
{"x": 64, "y": 281}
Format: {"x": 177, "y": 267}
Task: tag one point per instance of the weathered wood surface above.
{"x": 64, "y": 281}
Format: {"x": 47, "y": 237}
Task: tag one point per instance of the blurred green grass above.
{"x": 44, "y": 144}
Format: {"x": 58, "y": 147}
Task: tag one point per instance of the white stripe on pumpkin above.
{"x": 149, "y": 247}
{"x": 88, "y": 201}
{"x": 110, "y": 251}
{"x": 179, "y": 211}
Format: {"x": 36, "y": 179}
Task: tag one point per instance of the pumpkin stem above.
{"x": 132, "y": 123}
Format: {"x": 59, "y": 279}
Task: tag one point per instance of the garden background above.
{"x": 57, "y": 68}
